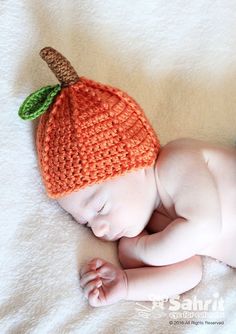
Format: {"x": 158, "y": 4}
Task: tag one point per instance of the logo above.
{"x": 177, "y": 307}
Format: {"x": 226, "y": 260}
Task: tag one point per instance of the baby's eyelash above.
{"x": 99, "y": 211}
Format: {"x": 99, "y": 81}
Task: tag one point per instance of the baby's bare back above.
{"x": 220, "y": 161}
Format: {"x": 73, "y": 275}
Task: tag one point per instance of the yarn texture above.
{"x": 91, "y": 132}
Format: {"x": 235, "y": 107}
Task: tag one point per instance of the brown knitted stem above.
{"x": 60, "y": 66}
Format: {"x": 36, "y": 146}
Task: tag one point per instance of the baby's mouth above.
{"x": 118, "y": 236}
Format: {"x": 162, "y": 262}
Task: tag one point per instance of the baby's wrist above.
{"x": 141, "y": 247}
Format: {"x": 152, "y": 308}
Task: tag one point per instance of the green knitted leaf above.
{"x": 38, "y": 102}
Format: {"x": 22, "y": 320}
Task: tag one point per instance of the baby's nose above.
{"x": 100, "y": 229}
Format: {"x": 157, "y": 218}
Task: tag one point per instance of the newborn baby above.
{"x": 101, "y": 159}
{"x": 166, "y": 217}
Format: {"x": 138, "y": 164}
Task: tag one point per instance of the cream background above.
{"x": 178, "y": 60}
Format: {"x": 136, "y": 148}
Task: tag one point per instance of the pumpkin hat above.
{"x": 88, "y": 132}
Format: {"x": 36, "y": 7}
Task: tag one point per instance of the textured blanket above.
{"x": 178, "y": 60}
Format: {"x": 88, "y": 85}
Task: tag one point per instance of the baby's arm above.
{"x": 163, "y": 282}
{"x": 105, "y": 284}
{"x": 179, "y": 241}
{"x": 193, "y": 190}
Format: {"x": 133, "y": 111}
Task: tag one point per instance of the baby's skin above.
{"x": 165, "y": 218}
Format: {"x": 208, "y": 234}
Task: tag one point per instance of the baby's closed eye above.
{"x": 98, "y": 212}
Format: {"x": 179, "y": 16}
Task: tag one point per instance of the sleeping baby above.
{"x": 102, "y": 161}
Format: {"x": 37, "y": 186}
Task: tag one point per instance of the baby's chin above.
{"x": 132, "y": 234}
{"x": 120, "y": 236}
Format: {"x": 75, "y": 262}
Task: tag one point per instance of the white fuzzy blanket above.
{"x": 178, "y": 60}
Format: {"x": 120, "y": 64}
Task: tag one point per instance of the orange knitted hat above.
{"x": 88, "y": 132}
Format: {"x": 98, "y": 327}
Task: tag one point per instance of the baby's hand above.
{"x": 103, "y": 283}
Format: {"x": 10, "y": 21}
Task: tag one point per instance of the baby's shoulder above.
{"x": 180, "y": 159}
{"x": 180, "y": 153}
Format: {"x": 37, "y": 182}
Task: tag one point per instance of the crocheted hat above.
{"x": 88, "y": 132}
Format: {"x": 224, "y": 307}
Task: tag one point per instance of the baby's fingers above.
{"x": 97, "y": 297}
{"x": 91, "y": 286}
{"x": 94, "y": 298}
{"x": 91, "y": 275}
{"x": 91, "y": 265}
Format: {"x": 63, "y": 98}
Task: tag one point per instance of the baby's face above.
{"x": 115, "y": 208}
